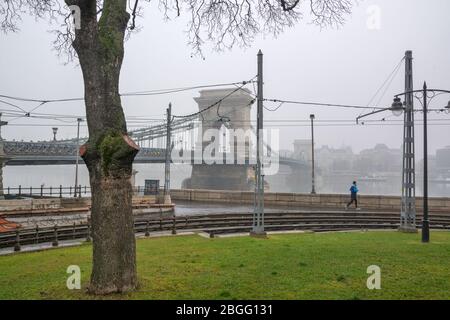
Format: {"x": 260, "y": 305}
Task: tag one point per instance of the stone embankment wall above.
{"x": 330, "y": 201}
{"x": 55, "y": 204}
{"x": 387, "y": 203}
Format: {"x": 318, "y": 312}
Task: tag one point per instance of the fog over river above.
{"x": 56, "y": 175}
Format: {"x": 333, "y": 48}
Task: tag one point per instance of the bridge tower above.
{"x": 233, "y": 113}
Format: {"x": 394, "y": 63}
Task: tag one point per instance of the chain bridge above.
{"x": 186, "y": 133}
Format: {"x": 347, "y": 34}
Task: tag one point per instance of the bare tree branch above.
{"x": 133, "y": 15}
{"x": 224, "y": 23}
{"x": 227, "y": 23}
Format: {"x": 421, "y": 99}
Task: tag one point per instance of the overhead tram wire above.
{"x": 336, "y": 105}
{"x": 275, "y": 109}
{"x": 192, "y": 115}
{"x": 127, "y": 94}
{"x": 71, "y": 118}
{"x": 386, "y": 84}
{"x": 58, "y": 118}
{"x": 176, "y": 90}
{"x": 137, "y": 119}
{"x": 12, "y": 105}
{"x": 373, "y": 123}
{"x": 353, "y": 125}
{"x": 319, "y": 121}
{"x": 387, "y": 81}
{"x": 271, "y": 122}
{"x": 319, "y": 104}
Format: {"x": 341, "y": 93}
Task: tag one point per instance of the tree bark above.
{"x": 109, "y": 152}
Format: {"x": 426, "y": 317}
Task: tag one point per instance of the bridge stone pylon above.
{"x": 234, "y": 113}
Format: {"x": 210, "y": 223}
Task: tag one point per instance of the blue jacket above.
{"x": 354, "y": 190}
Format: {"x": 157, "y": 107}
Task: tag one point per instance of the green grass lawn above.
{"x": 289, "y": 266}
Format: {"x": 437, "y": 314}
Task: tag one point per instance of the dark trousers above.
{"x": 355, "y": 200}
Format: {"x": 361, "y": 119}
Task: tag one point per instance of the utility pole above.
{"x": 408, "y": 206}
{"x": 425, "y": 218}
{"x": 258, "y": 219}
{"x": 167, "y": 199}
{"x": 313, "y": 188}
{"x": 76, "y": 157}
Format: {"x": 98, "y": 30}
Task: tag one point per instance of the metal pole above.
{"x": 313, "y": 190}
{"x": 17, "y": 243}
{"x": 55, "y": 130}
{"x": 258, "y": 225}
{"x": 77, "y": 156}
{"x": 2, "y": 159}
{"x": 408, "y": 206}
{"x": 167, "y": 199}
{"x": 261, "y": 140}
{"x": 425, "y": 221}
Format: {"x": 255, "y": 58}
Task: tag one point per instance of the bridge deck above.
{"x": 56, "y": 153}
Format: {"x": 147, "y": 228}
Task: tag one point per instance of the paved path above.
{"x": 186, "y": 208}
{"x": 40, "y": 247}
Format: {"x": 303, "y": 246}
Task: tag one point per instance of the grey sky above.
{"x": 304, "y": 63}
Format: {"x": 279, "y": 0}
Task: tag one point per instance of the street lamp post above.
{"x": 76, "y": 157}
{"x": 424, "y": 96}
{"x": 55, "y": 130}
{"x": 425, "y": 219}
{"x": 167, "y": 199}
{"x": 2, "y": 157}
{"x": 313, "y": 185}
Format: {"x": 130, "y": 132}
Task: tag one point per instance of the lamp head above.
{"x": 225, "y": 121}
{"x": 312, "y": 117}
{"x": 397, "y": 107}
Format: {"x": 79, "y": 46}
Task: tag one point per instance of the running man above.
{"x": 354, "y": 196}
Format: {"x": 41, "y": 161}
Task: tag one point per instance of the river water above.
{"x": 55, "y": 175}
{"x": 284, "y": 181}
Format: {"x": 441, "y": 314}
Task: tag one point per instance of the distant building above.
{"x": 378, "y": 170}
{"x": 443, "y": 161}
{"x": 335, "y": 160}
{"x": 379, "y": 159}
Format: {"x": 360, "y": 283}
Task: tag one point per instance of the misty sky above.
{"x": 344, "y": 66}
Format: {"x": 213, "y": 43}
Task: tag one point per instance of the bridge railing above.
{"x": 42, "y": 191}
{"x": 61, "y": 191}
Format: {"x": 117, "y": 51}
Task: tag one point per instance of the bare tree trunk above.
{"x": 109, "y": 152}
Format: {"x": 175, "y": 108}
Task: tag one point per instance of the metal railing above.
{"x": 41, "y": 192}
{"x": 216, "y": 224}
{"x": 77, "y": 231}
{"x": 63, "y": 191}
